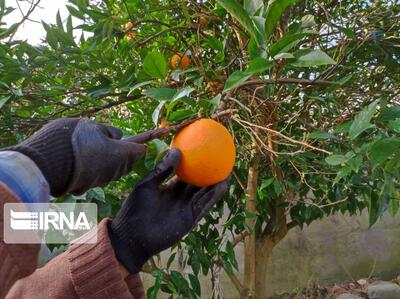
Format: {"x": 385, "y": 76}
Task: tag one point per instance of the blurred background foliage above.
{"x": 309, "y": 90}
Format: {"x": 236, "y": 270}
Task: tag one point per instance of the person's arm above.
{"x": 20, "y": 179}
{"x": 16, "y": 261}
{"x": 66, "y": 156}
{"x": 83, "y": 271}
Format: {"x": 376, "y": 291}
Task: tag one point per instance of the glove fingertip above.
{"x": 136, "y": 150}
{"x": 173, "y": 158}
{"x": 114, "y": 132}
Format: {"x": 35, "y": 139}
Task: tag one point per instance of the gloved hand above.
{"x": 154, "y": 218}
{"x": 75, "y": 154}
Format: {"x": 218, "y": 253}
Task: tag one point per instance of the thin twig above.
{"x": 284, "y": 136}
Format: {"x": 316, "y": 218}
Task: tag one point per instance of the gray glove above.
{"x": 155, "y": 217}
{"x": 76, "y": 154}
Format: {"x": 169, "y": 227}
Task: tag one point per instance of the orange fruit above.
{"x": 131, "y": 35}
{"x": 185, "y": 62}
{"x": 128, "y": 26}
{"x": 202, "y": 21}
{"x": 208, "y": 153}
{"x": 180, "y": 61}
{"x": 163, "y": 122}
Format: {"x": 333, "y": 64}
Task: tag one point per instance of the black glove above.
{"x": 154, "y": 218}
{"x": 75, "y": 154}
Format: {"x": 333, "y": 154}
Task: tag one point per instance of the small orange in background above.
{"x": 202, "y": 21}
{"x": 131, "y": 35}
{"x": 163, "y": 122}
{"x": 128, "y": 26}
{"x": 208, "y": 153}
{"x": 178, "y": 61}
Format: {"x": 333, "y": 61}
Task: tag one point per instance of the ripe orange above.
{"x": 185, "y": 62}
{"x": 128, "y": 26}
{"x": 202, "y": 21}
{"x": 163, "y": 122}
{"x": 131, "y": 35}
{"x": 208, "y": 152}
{"x": 180, "y": 61}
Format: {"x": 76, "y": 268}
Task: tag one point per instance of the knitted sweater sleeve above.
{"x": 83, "y": 271}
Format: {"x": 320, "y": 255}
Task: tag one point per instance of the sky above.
{"x": 46, "y": 11}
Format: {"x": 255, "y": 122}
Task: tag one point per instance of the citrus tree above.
{"x": 309, "y": 90}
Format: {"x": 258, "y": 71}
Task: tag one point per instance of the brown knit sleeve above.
{"x": 83, "y": 271}
{"x": 94, "y": 267}
{"x": 16, "y": 260}
{"x": 135, "y": 286}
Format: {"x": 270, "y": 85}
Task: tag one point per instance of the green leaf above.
{"x": 9, "y": 31}
{"x": 195, "y": 283}
{"x": 240, "y": 14}
{"x": 155, "y": 151}
{"x": 343, "y": 128}
{"x": 340, "y": 83}
{"x": 336, "y": 160}
{"x": 59, "y": 21}
{"x": 395, "y": 125}
{"x": 286, "y": 43}
{"x": 99, "y": 92}
{"x": 70, "y": 28}
{"x": 96, "y": 194}
{"x": 180, "y": 115}
{"x": 258, "y": 66}
{"x": 182, "y": 93}
{"x": 394, "y": 204}
{"x": 75, "y": 12}
{"x": 266, "y": 183}
{"x": 155, "y": 65}
{"x": 362, "y": 120}
{"x": 215, "y": 43}
{"x": 140, "y": 84}
{"x": 215, "y": 101}
{"x": 160, "y": 94}
{"x": 383, "y": 149}
{"x": 322, "y": 135}
{"x": 4, "y": 100}
{"x": 375, "y": 204}
{"x": 235, "y": 79}
{"x": 252, "y": 6}
{"x": 254, "y": 50}
{"x": 274, "y": 11}
{"x": 313, "y": 58}
{"x": 171, "y": 259}
{"x": 355, "y": 163}
{"x": 283, "y": 55}
{"x": 231, "y": 254}
{"x": 307, "y": 21}
{"x": 178, "y": 280}
{"x": 388, "y": 114}
{"x": 342, "y": 173}
{"x": 350, "y": 33}
{"x": 156, "y": 113}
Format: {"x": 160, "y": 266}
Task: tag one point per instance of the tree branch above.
{"x": 236, "y": 282}
{"x": 106, "y": 106}
{"x": 239, "y": 238}
{"x": 291, "y": 225}
{"x": 286, "y": 81}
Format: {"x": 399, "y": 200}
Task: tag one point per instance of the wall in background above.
{"x": 338, "y": 248}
